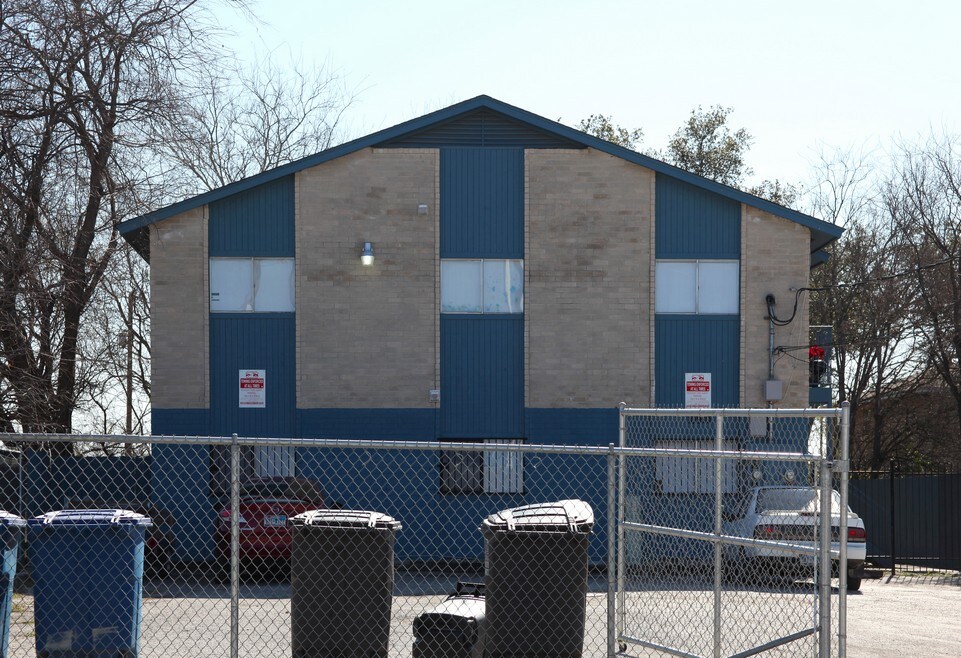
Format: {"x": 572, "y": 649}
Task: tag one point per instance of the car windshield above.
{"x": 793, "y": 500}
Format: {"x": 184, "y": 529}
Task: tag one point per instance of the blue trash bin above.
{"x": 88, "y": 578}
{"x": 10, "y": 532}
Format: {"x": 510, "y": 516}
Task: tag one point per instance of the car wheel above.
{"x": 157, "y": 569}
{"x": 854, "y": 584}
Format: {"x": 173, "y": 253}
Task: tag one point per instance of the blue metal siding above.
{"x": 256, "y": 222}
{"x": 593, "y": 427}
{"x": 482, "y": 376}
{"x": 482, "y": 128}
{"x": 378, "y": 424}
{"x": 179, "y": 422}
{"x": 256, "y": 342}
{"x": 690, "y": 343}
{"x": 482, "y": 203}
{"x": 694, "y": 223}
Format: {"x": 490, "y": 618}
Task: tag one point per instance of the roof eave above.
{"x": 822, "y": 233}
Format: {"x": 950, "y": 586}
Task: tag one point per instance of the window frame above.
{"x": 481, "y": 284}
{"x": 252, "y": 290}
{"x": 697, "y": 285}
{"x": 486, "y": 483}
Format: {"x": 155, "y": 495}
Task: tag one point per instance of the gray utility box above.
{"x": 537, "y": 580}
{"x": 342, "y": 580}
{"x": 457, "y": 628}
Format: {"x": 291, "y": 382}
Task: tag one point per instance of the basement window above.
{"x": 482, "y": 471}
{"x": 251, "y": 285}
{"x": 691, "y": 475}
{"x": 702, "y": 287}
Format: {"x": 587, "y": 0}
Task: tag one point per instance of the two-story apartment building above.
{"x": 479, "y": 273}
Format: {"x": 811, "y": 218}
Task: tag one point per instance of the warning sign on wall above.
{"x": 697, "y": 390}
{"x": 253, "y": 389}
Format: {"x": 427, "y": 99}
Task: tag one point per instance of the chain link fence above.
{"x": 237, "y": 562}
{"x": 309, "y": 547}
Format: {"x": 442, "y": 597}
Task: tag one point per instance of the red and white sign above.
{"x": 253, "y": 389}
{"x": 697, "y": 390}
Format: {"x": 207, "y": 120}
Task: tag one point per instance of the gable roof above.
{"x": 459, "y": 122}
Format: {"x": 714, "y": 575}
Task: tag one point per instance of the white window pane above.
{"x": 274, "y": 285}
{"x": 274, "y": 461}
{"x": 230, "y": 284}
{"x": 503, "y": 471}
{"x": 460, "y": 286}
{"x": 503, "y": 286}
{"x": 675, "y": 287}
{"x": 718, "y": 286}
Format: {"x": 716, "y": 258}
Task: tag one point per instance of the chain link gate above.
{"x": 721, "y": 546}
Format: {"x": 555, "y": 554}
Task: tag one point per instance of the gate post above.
{"x": 843, "y": 556}
{"x": 611, "y": 553}
{"x": 718, "y": 519}
{"x": 621, "y": 504}
{"x": 824, "y": 570}
{"x": 234, "y": 547}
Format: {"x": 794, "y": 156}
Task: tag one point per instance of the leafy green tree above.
{"x": 783, "y": 194}
{"x": 705, "y": 145}
{"x": 605, "y": 128}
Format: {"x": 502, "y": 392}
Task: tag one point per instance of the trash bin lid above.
{"x": 359, "y": 519}
{"x": 91, "y": 517}
{"x": 8, "y": 519}
{"x": 562, "y": 516}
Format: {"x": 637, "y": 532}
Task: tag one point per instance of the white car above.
{"x": 789, "y": 515}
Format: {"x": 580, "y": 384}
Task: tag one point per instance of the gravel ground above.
{"x": 901, "y": 616}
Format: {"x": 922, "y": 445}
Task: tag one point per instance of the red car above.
{"x": 265, "y": 506}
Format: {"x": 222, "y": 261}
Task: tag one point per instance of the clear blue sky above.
{"x": 798, "y": 75}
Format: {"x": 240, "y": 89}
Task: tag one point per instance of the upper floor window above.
{"x": 251, "y": 285}
{"x": 697, "y": 286}
{"x": 481, "y": 286}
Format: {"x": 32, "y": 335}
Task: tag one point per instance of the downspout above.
{"x": 770, "y": 337}
{"x": 770, "y": 360}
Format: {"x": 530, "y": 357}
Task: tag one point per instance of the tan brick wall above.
{"x": 366, "y": 336}
{"x": 775, "y": 258}
{"x": 588, "y": 294}
{"x": 179, "y": 312}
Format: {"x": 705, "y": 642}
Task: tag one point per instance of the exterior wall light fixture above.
{"x": 367, "y": 255}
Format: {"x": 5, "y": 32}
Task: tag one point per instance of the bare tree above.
{"x": 923, "y": 198}
{"x": 859, "y": 293}
{"x": 81, "y": 81}
{"x": 241, "y": 120}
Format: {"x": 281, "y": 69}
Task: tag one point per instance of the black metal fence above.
{"x": 913, "y": 521}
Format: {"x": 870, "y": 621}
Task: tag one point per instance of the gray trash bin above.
{"x": 342, "y": 580}
{"x": 457, "y": 628}
{"x": 11, "y": 532}
{"x": 537, "y": 579}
